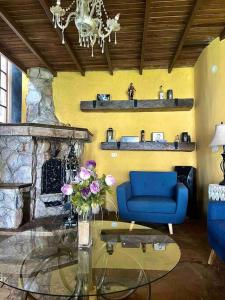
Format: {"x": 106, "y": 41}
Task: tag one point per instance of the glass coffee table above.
{"x": 123, "y": 258}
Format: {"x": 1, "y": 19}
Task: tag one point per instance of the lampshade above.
{"x": 219, "y": 136}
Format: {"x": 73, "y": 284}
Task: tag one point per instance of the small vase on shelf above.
{"x": 84, "y": 230}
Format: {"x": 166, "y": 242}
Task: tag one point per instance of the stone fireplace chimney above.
{"x": 34, "y": 157}
{"x": 39, "y": 100}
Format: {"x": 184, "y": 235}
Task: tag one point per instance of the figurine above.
{"x": 142, "y": 135}
{"x": 131, "y": 91}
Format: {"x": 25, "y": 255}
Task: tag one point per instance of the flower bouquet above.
{"x": 88, "y": 193}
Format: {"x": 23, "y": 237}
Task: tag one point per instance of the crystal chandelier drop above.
{"x": 88, "y": 16}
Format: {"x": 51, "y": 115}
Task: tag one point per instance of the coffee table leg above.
{"x": 149, "y": 291}
{"x": 107, "y": 297}
{"x": 28, "y": 296}
{"x": 24, "y": 296}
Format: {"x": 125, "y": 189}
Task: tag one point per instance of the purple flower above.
{"x": 84, "y": 174}
{"x": 110, "y": 180}
{"x": 85, "y": 192}
{"x": 67, "y": 189}
{"x": 90, "y": 164}
{"x": 95, "y": 187}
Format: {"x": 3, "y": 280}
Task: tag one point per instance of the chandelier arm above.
{"x": 77, "y": 5}
{"x": 93, "y": 9}
{"x": 93, "y": 40}
{"x": 102, "y": 35}
{"x": 62, "y": 27}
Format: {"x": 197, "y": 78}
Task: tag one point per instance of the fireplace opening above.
{"x": 56, "y": 172}
{"x": 53, "y": 173}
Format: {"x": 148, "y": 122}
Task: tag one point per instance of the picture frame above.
{"x": 103, "y": 97}
{"x": 157, "y": 136}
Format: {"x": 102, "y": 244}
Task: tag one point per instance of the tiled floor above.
{"x": 192, "y": 279}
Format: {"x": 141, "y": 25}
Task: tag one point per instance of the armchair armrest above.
{"x": 182, "y": 199}
{"x": 123, "y": 194}
{"x": 216, "y": 210}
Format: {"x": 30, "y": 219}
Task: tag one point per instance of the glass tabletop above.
{"x": 122, "y": 258}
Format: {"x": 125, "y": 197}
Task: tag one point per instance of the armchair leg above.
{"x": 211, "y": 257}
{"x": 170, "y": 226}
{"x": 131, "y": 225}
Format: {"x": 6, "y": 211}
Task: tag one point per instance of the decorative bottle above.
{"x": 109, "y": 135}
{"x": 176, "y": 142}
{"x": 161, "y": 93}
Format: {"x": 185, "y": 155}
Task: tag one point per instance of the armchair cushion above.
{"x": 216, "y": 210}
{"x": 216, "y": 229}
{"x": 152, "y": 204}
{"x": 153, "y": 183}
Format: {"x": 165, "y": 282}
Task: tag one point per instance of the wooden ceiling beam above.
{"x": 107, "y": 55}
{"x": 146, "y": 20}
{"x": 67, "y": 44}
{"x": 12, "y": 59}
{"x": 222, "y": 34}
{"x": 186, "y": 30}
{"x": 14, "y": 27}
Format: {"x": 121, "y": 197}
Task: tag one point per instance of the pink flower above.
{"x": 84, "y": 174}
{"x": 110, "y": 180}
{"x": 77, "y": 179}
{"x": 67, "y": 189}
{"x": 95, "y": 187}
{"x": 90, "y": 164}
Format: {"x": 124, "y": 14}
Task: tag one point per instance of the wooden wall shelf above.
{"x": 148, "y": 146}
{"x": 137, "y": 105}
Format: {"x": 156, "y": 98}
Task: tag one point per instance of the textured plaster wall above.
{"x": 210, "y": 110}
{"x": 70, "y": 88}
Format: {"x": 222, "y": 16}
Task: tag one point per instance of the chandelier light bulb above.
{"x": 88, "y": 18}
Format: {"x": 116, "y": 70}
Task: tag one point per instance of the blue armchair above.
{"x": 216, "y": 229}
{"x": 153, "y": 197}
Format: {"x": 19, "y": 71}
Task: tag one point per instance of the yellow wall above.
{"x": 70, "y": 88}
{"x": 210, "y": 110}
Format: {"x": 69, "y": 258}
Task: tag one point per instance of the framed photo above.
{"x": 157, "y": 136}
{"x": 103, "y": 97}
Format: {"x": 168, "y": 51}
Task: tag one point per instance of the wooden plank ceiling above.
{"x": 154, "y": 34}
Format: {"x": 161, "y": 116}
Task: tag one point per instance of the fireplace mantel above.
{"x": 45, "y": 131}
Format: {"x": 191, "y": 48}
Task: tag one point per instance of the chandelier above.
{"x": 91, "y": 21}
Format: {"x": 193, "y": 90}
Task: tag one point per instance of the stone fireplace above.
{"x": 28, "y": 149}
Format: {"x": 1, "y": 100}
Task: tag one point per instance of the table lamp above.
{"x": 219, "y": 140}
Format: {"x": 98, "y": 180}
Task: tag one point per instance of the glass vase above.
{"x": 84, "y": 230}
